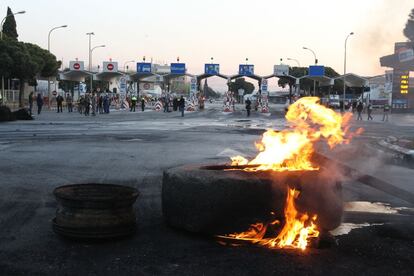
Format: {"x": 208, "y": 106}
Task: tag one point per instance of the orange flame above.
{"x": 296, "y": 233}
{"x": 292, "y": 149}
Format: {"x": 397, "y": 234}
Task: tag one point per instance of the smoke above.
{"x": 378, "y": 34}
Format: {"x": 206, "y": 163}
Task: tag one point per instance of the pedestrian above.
{"x": 359, "y": 109}
{"x": 175, "y": 104}
{"x": 181, "y": 106}
{"x": 69, "y": 102}
{"x": 59, "y": 101}
{"x": 133, "y": 103}
{"x": 81, "y": 104}
{"x": 100, "y": 104}
{"x": 369, "y": 111}
{"x": 143, "y": 104}
{"x": 93, "y": 103}
{"x": 386, "y": 112}
{"x": 248, "y": 106}
{"x": 87, "y": 104}
{"x": 354, "y": 105}
{"x": 30, "y": 102}
{"x": 39, "y": 101}
{"x": 166, "y": 103}
{"x": 106, "y": 103}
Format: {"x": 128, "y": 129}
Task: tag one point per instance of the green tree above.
{"x": 9, "y": 26}
{"x": 25, "y": 61}
{"x": 409, "y": 27}
{"x": 241, "y": 83}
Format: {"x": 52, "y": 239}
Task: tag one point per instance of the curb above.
{"x": 407, "y": 155}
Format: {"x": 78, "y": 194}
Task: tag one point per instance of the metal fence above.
{"x": 11, "y": 96}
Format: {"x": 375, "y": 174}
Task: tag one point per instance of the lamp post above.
{"x": 316, "y": 62}
{"x": 343, "y": 100}
{"x": 90, "y": 64}
{"x": 127, "y": 63}
{"x": 295, "y": 60}
{"x": 1, "y": 38}
{"x": 48, "y": 49}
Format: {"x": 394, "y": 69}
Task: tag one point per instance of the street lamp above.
{"x": 343, "y": 100}
{"x": 295, "y": 60}
{"x": 90, "y": 62}
{"x": 1, "y": 38}
{"x": 316, "y": 62}
{"x": 127, "y": 63}
{"x": 48, "y": 49}
{"x": 90, "y": 58}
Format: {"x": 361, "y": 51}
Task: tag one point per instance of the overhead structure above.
{"x": 76, "y": 72}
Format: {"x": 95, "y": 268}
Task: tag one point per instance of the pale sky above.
{"x": 228, "y": 30}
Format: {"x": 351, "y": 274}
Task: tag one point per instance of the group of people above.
{"x": 359, "y": 108}
{"x": 39, "y": 102}
{"x": 177, "y": 104}
{"x": 93, "y": 103}
{"x": 133, "y": 103}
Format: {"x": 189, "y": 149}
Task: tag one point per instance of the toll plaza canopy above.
{"x": 106, "y": 76}
{"x": 353, "y": 80}
{"x": 74, "y": 75}
{"x": 204, "y": 76}
{"x": 322, "y": 80}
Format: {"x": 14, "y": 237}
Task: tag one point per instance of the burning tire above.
{"x": 219, "y": 199}
{"x": 95, "y": 211}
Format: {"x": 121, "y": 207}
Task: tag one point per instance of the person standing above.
{"x": 369, "y": 111}
{"x": 69, "y": 102}
{"x": 248, "y": 106}
{"x": 166, "y": 103}
{"x": 143, "y": 104}
{"x": 359, "y": 109}
{"x": 30, "y": 102}
{"x": 39, "y": 102}
{"x": 133, "y": 103}
{"x": 87, "y": 104}
{"x": 106, "y": 103}
{"x": 59, "y": 101}
{"x": 181, "y": 106}
{"x": 386, "y": 112}
{"x": 93, "y": 103}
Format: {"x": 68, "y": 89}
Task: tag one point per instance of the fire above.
{"x": 292, "y": 149}
{"x": 296, "y": 233}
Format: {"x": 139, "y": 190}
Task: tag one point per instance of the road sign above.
{"x": 76, "y": 65}
{"x": 122, "y": 86}
{"x": 110, "y": 66}
{"x": 211, "y": 69}
{"x": 281, "y": 70}
{"x": 316, "y": 70}
{"x": 177, "y": 68}
{"x": 264, "y": 85}
{"x": 246, "y": 69}
{"x": 144, "y": 67}
{"x": 193, "y": 85}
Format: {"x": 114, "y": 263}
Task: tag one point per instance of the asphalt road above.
{"x": 134, "y": 149}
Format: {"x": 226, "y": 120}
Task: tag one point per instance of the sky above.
{"x": 264, "y": 31}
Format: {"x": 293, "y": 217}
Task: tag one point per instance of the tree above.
{"x": 25, "y": 61}
{"x": 409, "y": 27}
{"x": 9, "y": 26}
{"x": 241, "y": 83}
